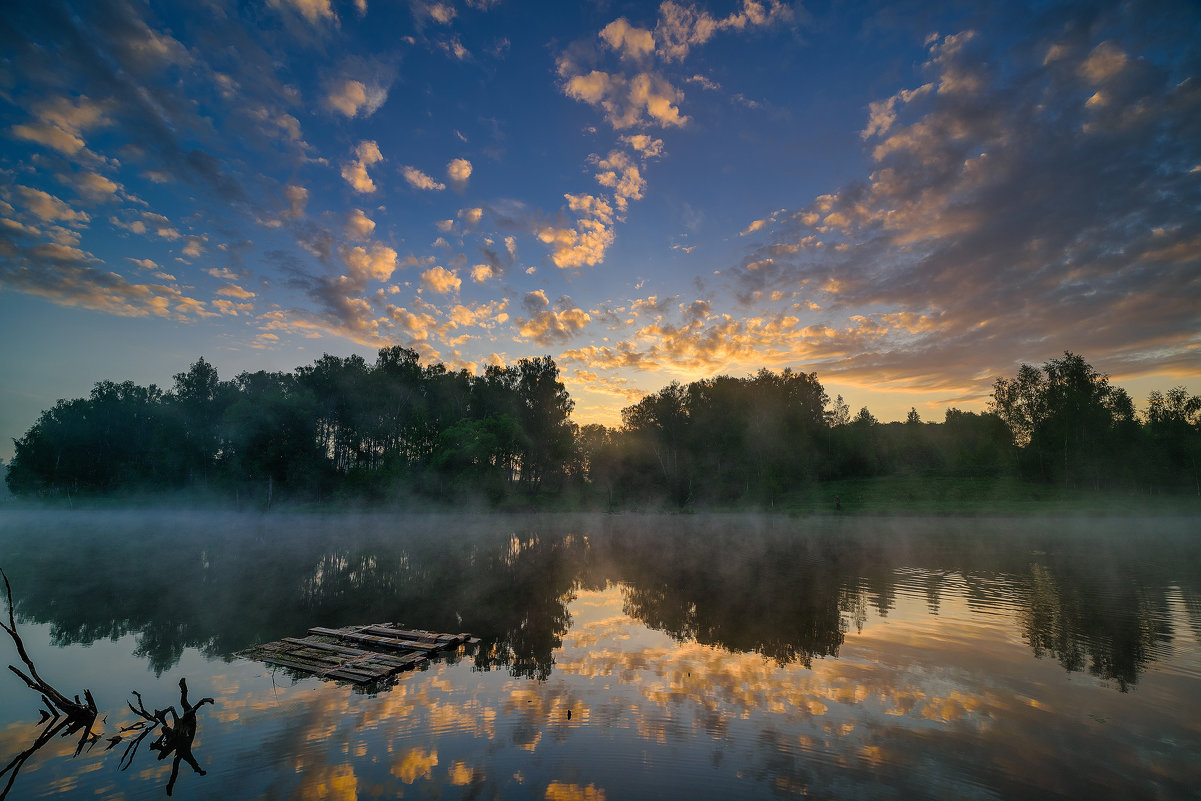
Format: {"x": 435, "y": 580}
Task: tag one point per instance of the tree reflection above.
{"x": 790, "y": 590}
{"x": 793, "y": 601}
{"x": 1110, "y": 631}
{"x": 65, "y": 717}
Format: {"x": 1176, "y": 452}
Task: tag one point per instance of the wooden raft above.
{"x": 325, "y": 653}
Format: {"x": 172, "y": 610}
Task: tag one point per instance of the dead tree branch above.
{"x": 80, "y": 715}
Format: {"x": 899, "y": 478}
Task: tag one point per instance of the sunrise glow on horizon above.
{"x": 908, "y": 200}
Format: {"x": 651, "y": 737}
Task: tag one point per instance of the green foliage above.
{"x": 401, "y": 432}
{"x": 1076, "y": 429}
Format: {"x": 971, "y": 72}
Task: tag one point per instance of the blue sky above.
{"x": 909, "y": 199}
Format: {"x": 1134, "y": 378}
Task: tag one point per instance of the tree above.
{"x": 544, "y": 411}
{"x": 1071, "y": 423}
{"x": 1174, "y": 432}
{"x": 656, "y": 426}
{"x": 839, "y": 414}
{"x": 273, "y": 440}
{"x": 199, "y": 399}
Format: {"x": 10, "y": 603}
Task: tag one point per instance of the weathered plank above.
{"x": 445, "y": 640}
{"x": 325, "y": 646}
{"x": 317, "y": 655}
{"x": 358, "y": 676}
{"x": 372, "y": 639}
{"x": 399, "y": 661}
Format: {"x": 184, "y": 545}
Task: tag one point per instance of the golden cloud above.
{"x": 628, "y": 40}
{"x": 440, "y": 280}
{"x": 353, "y": 98}
{"x": 359, "y": 225}
{"x": 378, "y": 263}
{"x": 458, "y": 170}
{"x": 419, "y": 180}
{"x": 355, "y": 172}
{"x": 297, "y": 197}
{"x": 48, "y": 208}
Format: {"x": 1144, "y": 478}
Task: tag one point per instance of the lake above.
{"x": 622, "y": 656}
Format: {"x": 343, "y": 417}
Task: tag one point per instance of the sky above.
{"x": 909, "y": 199}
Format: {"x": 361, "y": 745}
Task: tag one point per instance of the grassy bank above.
{"x": 881, "y": 496}
{"x": 913, "y": 495}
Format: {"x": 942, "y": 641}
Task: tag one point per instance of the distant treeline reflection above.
{"x": 401, "y": 432}
{"x": 1100, "y": 604}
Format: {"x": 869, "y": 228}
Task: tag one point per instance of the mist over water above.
{"x": 719, "y": 657}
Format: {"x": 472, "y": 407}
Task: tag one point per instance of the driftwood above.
{"x": 62, "y": 715}
{"x": 82, "y": 711}
{"x": 176, "y": 735}
{"x": 66, "y": 716}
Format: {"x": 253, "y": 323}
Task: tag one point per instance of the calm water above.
{"x": 719, "y": 657}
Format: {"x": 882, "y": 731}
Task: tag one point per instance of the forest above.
{"x": 402, "y": 433}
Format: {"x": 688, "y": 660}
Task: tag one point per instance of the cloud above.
{"x": 458, "y": 171}
{"x": 441, "y": 280}
{"x": 297, "y": 197}
{"x": 614, "y": 386}
{"x": 61, "y": 122}
{"x": 631, "y": 42}
{"x": 232, "y": 309}
{"x": 358, "y": 225}
{"x": 440, "y": 13}
{"x": 618, "y": 173}
{"x": 647, "y": 146}
{"x": 482, "y": 272}
{"x": 315, "y": 11}
{"x": 419, "y": 180}
{"x": 755, "y": 225}
{"x": 235, "y": 291}
{"x": 481, "y": 315}
{"x": 162, "y": 226}
{"x": 47, "y": 207}
{"x": 95, "y": 187}
{"x": 990, "y": 231}
{"x": 194, "y": 247}
{"x": 682, "y": 27}
{"x": 471, "y": 216}
{"x": 355, "y": 172}
{"x": 586, "y": 243}
{"x": 547, "y": 326}
{"x": 1104, "y": 63}
{"x": 646, "y": 98}
{"x": 377, "y": 264}
{"x": 639, "y": 95}
{"x": 704, "y": 343}
{"x": 69, "y": 276}
{"x": 354, "y": 98}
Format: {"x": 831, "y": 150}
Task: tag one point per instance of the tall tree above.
{"x": 544, "y": 409}
{"x": 1069, "y": 419}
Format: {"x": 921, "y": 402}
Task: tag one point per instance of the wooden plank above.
{"x": 383, "y": 642}
{"x": 408, "y": 649}
{"x": 325, "y": 646}
{"x": 355, "y": 676}
{"x": 396, "y": 660}
{"x": 364, "y": 662}
{"x": 420, "y": 636}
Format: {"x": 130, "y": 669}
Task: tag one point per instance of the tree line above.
{"x": 342, "y": 428}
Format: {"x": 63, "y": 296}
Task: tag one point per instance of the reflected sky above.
{"x": 913, "y": 659}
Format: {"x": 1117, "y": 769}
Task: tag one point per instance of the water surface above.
{"x": 719, "y": 657}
